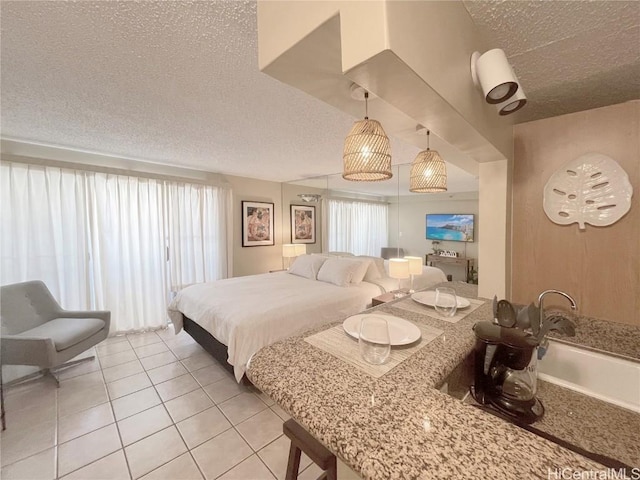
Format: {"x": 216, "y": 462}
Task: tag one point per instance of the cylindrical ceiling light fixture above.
{"x": 428, "y": 172}
{"x": 513, "y": 104}
{"x": 493, "y": 73}
{"x": 367, "y": 151}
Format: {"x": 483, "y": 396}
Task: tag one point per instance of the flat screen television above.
{"x": 453, "y": 227}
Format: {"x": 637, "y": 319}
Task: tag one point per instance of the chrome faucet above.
{"x": 574, "y": 305}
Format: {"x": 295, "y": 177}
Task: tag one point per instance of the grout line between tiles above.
{"x": 189, "y": 450}
{"x": 126, "y": 460}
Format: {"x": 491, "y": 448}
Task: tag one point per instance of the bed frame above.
{"x": 216, "y": 349}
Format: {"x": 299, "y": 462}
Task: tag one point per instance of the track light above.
{"x": 493, "y": 74}
{"x": 512, "y": 104}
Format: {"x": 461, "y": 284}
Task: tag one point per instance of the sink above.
{"x": 603, "y": 376}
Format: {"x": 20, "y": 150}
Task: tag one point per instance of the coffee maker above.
{"x": 505, "y": 371}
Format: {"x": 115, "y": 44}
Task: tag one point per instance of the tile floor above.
{"x": 152, "y": 406}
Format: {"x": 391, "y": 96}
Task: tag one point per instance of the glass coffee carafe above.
{"x": 506, "y": 371}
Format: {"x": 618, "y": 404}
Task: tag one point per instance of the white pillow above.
{"x": 343, "y": 271}
{"x": 307, "y": 266}
{"x": 376, "y": 268}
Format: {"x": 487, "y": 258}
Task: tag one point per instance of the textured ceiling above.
{"x": 568, "y": 55}
{"x": 167, "y": 82}
{"x": 178, "y": 82}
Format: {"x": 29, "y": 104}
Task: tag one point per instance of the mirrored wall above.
{"x": 406, "y": 226}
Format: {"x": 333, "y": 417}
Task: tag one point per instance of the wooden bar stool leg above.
{"x": 332, "y": 471}
{"x": 293, "y": 465}
{"x": 303, "y": 441}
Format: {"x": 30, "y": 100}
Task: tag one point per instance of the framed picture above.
{"x": 257, "y": 224}
{"x": 303, "y": 224}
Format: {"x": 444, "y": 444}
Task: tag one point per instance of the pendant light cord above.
{"x": 366, "y": 105}
{"x": 398, "y": 251}
{"x": 428, "y": 139}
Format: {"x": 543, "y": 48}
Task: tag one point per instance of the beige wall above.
{"x": 290, "y": 197}
{"x": 412, "y": 225}
{"x": 254, "y": 260}
{"x": 599, "y": 266}
{"x": 493, "y": 232}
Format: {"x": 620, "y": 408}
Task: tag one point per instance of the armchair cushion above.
{"x": 65, "y": 332}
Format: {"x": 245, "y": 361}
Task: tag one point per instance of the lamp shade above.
{"x": 288, "y": 250}
{"x": 367, "y": 153}
{"x": 398, "y": 268}
{"x": 300, "y": 249}
{"x": 428, "y": 173}
{"x": 415, "y": 265}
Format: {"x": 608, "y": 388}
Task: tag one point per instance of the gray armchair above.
{"x": 35, "y": 330}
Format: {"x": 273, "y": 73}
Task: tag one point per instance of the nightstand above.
{"x": 384, "y": 298}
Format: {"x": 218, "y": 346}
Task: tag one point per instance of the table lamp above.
{"x": 399, "y": 268}
{"x": 288, "y": 252}
{"x": 301, "y": 249}
{"x": 415, "y": 268}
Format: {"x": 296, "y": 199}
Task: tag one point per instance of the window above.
{"x": 115, "y": 242}
{"x": 356, "y": 226}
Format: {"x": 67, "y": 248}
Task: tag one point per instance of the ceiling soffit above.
{"x": 314, "y": 62}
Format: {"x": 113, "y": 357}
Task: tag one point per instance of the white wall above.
{"x": 411, "y": 224}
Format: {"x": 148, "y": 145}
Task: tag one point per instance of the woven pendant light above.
{"x": 367, "y": 151}
{"x": 428, "y": 172}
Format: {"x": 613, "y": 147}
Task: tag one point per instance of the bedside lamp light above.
{"x": 415, "y": 268}
{"x": 288, "y": 252}
{"x": 300, "y": 248}
{"x": 399, "y": 268}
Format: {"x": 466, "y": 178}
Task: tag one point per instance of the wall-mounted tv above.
{"x": 450, "y": 227}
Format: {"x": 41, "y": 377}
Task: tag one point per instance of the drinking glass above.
{"x": 446, "y": 301}
{"x": 374, "y": 342}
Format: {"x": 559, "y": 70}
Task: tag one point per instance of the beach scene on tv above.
{"x": 454, "y": 227}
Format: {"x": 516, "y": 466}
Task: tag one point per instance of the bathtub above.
{"x": 609, "y": 378}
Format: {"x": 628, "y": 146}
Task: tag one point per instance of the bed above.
{"x": 235, "y": 317}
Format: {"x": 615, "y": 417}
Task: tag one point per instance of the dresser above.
{"x": 467, "y": 263}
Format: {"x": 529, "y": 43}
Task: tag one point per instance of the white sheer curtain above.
{"x": 100, "y": 241}
{"x": 127, "y": 250}
{"x": 42, "y": 230}
{"x": 357, "y": 227}
{"x": 197, "y": 248}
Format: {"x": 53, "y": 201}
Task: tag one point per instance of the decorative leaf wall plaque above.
{"x": 592, "y": 189}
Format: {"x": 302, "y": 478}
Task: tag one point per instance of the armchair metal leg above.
{"x": 73, "y": 362}
{"x": 49, "y": 372}
{"x": 26, "y": 378}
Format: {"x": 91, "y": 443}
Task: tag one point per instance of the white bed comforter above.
{"x": 248, "y": 313}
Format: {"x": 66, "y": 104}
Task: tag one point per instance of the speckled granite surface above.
{"x": 596, "y": 426}
{"x": 400, "y": 425}
{"x": 602, "y": 335}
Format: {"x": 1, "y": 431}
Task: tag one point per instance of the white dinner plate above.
{"x": 429, "y": 298}
{"x": 401, "y": 332}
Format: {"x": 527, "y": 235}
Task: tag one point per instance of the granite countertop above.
{"x": 591, "y": 424}
{"x": 610, "y": 337}
{"x": 401, "y": 425}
